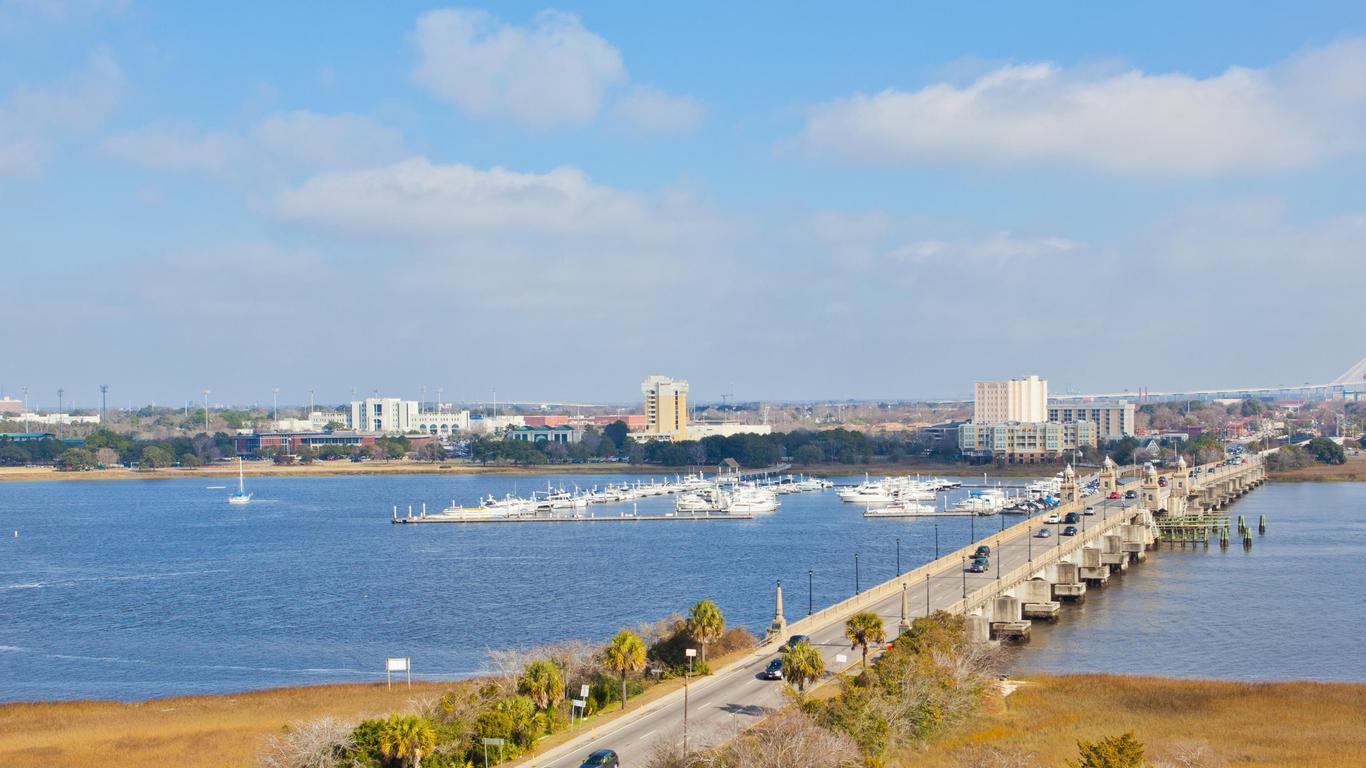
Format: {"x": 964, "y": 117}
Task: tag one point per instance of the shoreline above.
{"x": 355, "y": 469}
{"x": 231, "y": 728}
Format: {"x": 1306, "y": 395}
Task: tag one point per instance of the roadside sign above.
{"x": 493, "y": 742}
{"x": 583, "y": 691}
{"x": 579, "y": 702}
{"x": 392, "y": 665}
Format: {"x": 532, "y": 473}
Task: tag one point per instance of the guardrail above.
{"x": 876, "y": 594}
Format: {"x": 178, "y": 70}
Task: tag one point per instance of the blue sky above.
{"x": 556, "y": 200}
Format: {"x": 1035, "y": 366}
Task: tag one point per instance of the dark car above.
{"x": 1131, "y": 494}
{"x": 792, "y": 641}
{"x": 982, "y": 551}
{"x": 603, "y": 758}
{"x": 774, "y": 670}
{"x": 979, "y": 565}
{"x": 1072, "y": 518}
{"x": 1042, "y": 534}
{"x": 1070, "y": 530}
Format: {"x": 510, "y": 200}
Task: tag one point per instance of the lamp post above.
{"x": 691, "y": 652}
{"x": 972, "y": 526}
{"x": 810, "y": 590}
{"x": 275, "y": 403}
{"x": 856, "y": 586}
{"x": 898, "y": 555}
{"x": 965, "y": 577}
{"x": 936, "y": 539}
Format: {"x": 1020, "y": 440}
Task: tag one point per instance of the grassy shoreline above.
{"x": 1247, "y": 724}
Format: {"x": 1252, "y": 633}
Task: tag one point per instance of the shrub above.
{"x": 1123, "y": 751}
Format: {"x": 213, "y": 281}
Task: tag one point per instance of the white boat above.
{"x": 902, "y": 509}
{"x": 987, "y": 502}
{"x": 751, "y": 500}
{"x": 867, "y": 493}
{"x": 241, "y": 497}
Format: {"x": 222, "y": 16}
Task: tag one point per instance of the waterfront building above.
{"x": 57, "y": 418}
{"x": 563, "y": 434}
{"x": 1113, "y": 420}
{"x": 666, "y": 407}
{"x": 1024, "y": 443}
{"x": 1016, "y": 400}
{"x": 492, "y": 425}
{"x": 395, "y": 416}
{"x": 291, "y": 442}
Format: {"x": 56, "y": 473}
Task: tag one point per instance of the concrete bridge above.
{"x": 1028, "y": 580}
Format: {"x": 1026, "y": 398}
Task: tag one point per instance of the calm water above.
{"x": 1293, "y": 607}
{"x": 133, "y": 589}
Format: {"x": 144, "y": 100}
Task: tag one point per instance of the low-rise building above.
{"x": 395, "y": 416}
{"x": 492, "y": 425}
{"x": 563, "y": 434}
{"x": 10, "y": 405}
{"x": 699, "y": 430}
{"x": 1113, "y": 420}
{"x": 291, "y": 442}
{"x": 57, "y": 418}
{"x": 1024, "y": 443}
{"x": 316, "y": 421}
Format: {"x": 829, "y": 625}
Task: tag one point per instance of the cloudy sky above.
{"x": 555, "y": 201}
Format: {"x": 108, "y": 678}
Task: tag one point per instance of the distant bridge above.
{"x": 1353, "y": 380}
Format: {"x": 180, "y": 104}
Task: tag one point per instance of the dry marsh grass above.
{"x": 1201, "y": 722}
{"x": 187, "y": 731}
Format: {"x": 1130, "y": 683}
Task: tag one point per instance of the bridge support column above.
{"x": 978, "y": 628}
{"x": 1068, "y": 585}
{"x": 1007, "y": 619}
{"x": 1036, "y": 600}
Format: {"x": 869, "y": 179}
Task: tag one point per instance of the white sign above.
{"x": 396, "y": 665}
{"x": 583, "y": 691}
{"x": 392, "y": 665}
{"x": 493, "y": 742}
{"x": 691, "y": 652}
{"x": 579, "y": 703}
{"x": 840, "y": 658}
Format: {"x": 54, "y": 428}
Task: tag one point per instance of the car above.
{"x": 1053, "y": 519}
{"x": 1162, "y": 481}
{"x": 1131, "y": 494}
{"x": 795, "y": 639}
{"x": 603, "y": 758}
{"x": 1113, "y": 495}
{"x": 774, "y": 670}
{"x": 1072, "y": 518}
{"x": 1070, "y": 530}
{"x": 983, "y": 551}
{"x": 1042, "y": 534}
{"x": 1089, "y": 511}
{"x": 979, "y": 565}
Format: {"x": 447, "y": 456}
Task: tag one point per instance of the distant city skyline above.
{"x": 554, "y": 201}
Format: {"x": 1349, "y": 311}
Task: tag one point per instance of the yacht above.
{"x": 241, "y": 497}
{"x": 987, "y": 502}
{"x": 751, "y": 500}
{"x": 902, "y": 509}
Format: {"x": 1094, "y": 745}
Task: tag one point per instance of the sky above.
{"x": 552, "y": 202}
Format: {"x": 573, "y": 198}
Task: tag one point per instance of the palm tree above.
{"x": 625, "y": 654}
{"x": 802, "y": 665}
{"x": 706, "y": 624}
{"x": 864, "y": 629}
{"x": 541, "y": 682}
{"x": 406, "y": 738}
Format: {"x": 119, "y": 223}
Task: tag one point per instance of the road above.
{"x": 735, "y": 698}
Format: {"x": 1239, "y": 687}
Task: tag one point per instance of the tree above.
{"x": 541, "y": 682}
{"x": 706, "y": 624}
{"x": 625, "y": 654}
{"x": 12, "y": 455}
{"x": 406, "y": 738}
{"x": 1327, "y": 451}
{"x": 76, "y": 459}
{"x": 154, "y": 456}
{"x": 864, "y": 629}
{"x": 188, "y": 459}
{"x": 802, "y": 665}
{"x": 616, "y": 432}
{"x": 808, "y": 454}
{"x": 1123, "y": 751}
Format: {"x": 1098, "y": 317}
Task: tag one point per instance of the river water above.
{"x": 135, "y": 589}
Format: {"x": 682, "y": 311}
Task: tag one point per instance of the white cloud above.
{"x": 996, "y": 247}
{"x": 33, "y": 120}
{"x": 553, "y": 73}
{"x": 297, "y": 140}
{"x": 419, "y": 198}
{"x": 652, "y": 112}
{"x": 1294, "y": 115}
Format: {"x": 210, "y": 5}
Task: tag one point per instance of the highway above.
{"x": 735, "y": 697}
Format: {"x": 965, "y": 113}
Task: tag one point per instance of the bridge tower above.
{"x": 1179, "y": 490}
{"x": 1109, "y": 480}
{"x": 778, "y": 629}
{"x": 1151, "y": 492}
{"x": 1067, "y": 489}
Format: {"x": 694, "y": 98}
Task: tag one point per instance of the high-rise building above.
{"x": 396, "y": 416}
{"x": 666, "y": 406}
{"x": 1113, "y": 420}
{"x": 1017, "y": 400}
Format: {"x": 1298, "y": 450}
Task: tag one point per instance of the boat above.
{"x": 750, "y": 500}
{"x": 241, "y": 497}
{"x": 988, "y": 502}
{"x": 902, "y": 509}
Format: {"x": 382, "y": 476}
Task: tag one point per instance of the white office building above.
{"x": 395, "y": 416}
{"x": 1113, "y": 420}
{"x": 1022, "y": 401}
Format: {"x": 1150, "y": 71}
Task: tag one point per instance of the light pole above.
{"x": 898, "y": 555}
{"x": 965, "y": 577}
{"x": 61, "y": 428}
{"x": 810, "y": 590}
{"x": 206, "y": 411}
{"x": 856, "y": 587}
{"x": 104, "y": 391}
{"x": 972, "y": 526}
{"x": 691, "y": 652}
{"x": 275, "y": 403}
{"x": 936, "y": 539}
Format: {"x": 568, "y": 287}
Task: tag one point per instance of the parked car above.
{"x": 1053, "y": 520}
{"x": 1070, "y": 530}
{"x": 603, "y": 758}
{"x": 1113, "y": 495}
{"x": 792, "y": 641}
{"x": 774, "y": 670}
{"x": 1042, "y": 534}
{"x": 1072, "y": 518}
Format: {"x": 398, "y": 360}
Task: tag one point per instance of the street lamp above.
{"x": 936, "y": 539}
{"x": 275, "y": 402}
{"x": 856, "y": 587}
{"x": 898, "y": 555}
{"x": 810, "y": 590}
{"x": 965, "y": 577}
{"x": 690, "y": 652}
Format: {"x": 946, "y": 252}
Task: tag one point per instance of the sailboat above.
{"x": 241, "y": 497}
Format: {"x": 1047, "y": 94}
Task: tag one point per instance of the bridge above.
{"x": 1029, "y": 579}
{"x": 1351, "y": 382}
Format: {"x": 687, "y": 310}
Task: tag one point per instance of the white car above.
{"x": 1054, "y": 518}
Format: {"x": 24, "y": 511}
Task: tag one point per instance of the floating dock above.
{"x": 582, "y": 518}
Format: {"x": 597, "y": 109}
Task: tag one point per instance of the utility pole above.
{"x": 310, "y": 403}
{"x": 25, "y": 388}
{"x": 275, "y": 402}
{"x": 61, "y": 428}
{"x": 104, "y": 392}
{"x": 206, "y": 411}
